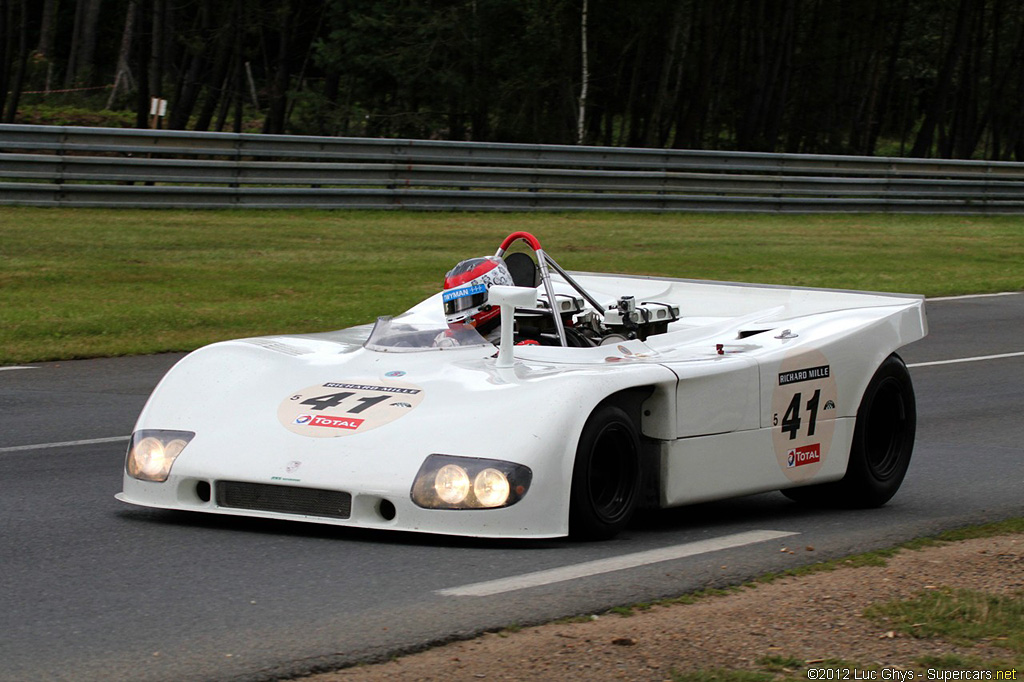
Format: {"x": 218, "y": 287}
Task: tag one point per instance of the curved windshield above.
{"x": 389, "y": 336}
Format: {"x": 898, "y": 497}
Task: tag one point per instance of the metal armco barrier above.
{"x": 110, "y": 167}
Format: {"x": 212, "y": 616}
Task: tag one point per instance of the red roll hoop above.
{"x": 525, "y": 236}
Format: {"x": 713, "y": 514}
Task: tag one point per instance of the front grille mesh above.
{"x": 284, "y": 499}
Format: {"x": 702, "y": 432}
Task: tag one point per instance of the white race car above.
{"x": 608, "y": 393}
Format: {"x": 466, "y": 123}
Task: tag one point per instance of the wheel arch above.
{"x": 644, "y": 404}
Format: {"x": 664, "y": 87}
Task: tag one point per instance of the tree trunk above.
{"x": 218, "y": 74}
{"x": 157, "y": 62}
{"x": 76, "y": 40}
{"x": 926, "y": 136}
{"x": 140, "y": 58}
{"x": 967, "y": 126}
{"x": 278, "y": 105}
{"x": 581, "y": 122}
{"x": 86, "y": 65}
{"x": 886, "y": 99}
{"x": 660, "y": 105}
{"x": 6, "y": 48}
{"x": 47, "y": 40}
{"x": 123, "y": 75}
{"x": 764, "y": 95}
{"x": 20, "y": 64}
{"x": 189, "y": 85}
{"x": 236, "y": 97}
{"x": 709, "y": 43}
{"x": 636, "y": 120}
{"x": 47, "y": 29}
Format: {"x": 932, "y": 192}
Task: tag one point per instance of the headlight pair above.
{"x": 443, "y": 482}
{"x": 448, "y": 482}
{"x": 152, "y": 453}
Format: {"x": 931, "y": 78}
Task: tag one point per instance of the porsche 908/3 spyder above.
{"x": 596, "y": 394}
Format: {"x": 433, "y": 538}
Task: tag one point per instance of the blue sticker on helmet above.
{"x": 452, "y": 294}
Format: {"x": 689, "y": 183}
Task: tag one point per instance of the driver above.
{"x": 465, "y": 294}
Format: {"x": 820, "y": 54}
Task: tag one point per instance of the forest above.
{"x": 919, "y": 78}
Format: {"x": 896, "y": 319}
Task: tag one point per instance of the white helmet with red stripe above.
{"x": 465, "y": 291}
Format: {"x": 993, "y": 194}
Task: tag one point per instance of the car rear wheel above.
{"x": 606, "y": 475}
{"x": 883, "y": 440}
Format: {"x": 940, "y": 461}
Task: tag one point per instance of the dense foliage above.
{"x": 914, "y": 77}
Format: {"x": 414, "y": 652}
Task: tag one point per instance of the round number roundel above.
{"x": 343, "y": 408}
{"x": 803, "y": 414}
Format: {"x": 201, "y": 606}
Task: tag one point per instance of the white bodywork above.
{"x": 754, "y": 388}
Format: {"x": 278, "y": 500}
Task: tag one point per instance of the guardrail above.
{"x": 71, "y": 166}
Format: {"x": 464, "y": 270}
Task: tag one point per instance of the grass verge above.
{"x": 963, "y": 616}
{"x": 966, "y": 617}
{"x": 968, "y": 628}
{"x": 877, "y": 557}
{"x": 104, "y": 282}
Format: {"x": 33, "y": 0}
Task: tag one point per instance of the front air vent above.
{"x": 283, "y": 499}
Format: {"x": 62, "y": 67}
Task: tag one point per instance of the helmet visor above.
{"x": 464, "y": 298}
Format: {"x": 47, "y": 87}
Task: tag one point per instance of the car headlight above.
{"x": 151, "y": 453}
{"x": 449, "y": 482}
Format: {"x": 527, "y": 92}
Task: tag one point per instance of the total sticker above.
{"x": 343, "y": 408}
{"x": 803, "y": 414}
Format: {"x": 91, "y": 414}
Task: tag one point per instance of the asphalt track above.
{"x": 91, "y": 589}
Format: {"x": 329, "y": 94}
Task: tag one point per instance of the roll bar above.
{"x": 543, "y": 261}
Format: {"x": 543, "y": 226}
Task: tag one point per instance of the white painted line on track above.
{"x": 966, "y": 297}
{"x": 4, "y": 369}
{"x": 618, "y": 563}
{"x": 44, "y": 446}
{"x": 974, "y": 359}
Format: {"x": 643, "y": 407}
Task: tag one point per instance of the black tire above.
{"x": 605, "y": 475}
{"x": 883, "y": 441}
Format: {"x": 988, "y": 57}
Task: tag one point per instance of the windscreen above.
{"x": 389, "y": 336}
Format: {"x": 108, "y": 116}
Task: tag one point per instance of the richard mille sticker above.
{"x": 803, "y": 414}
{"x": 335, "y": 408}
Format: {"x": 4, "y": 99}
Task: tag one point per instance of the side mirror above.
{"x": 508, "y": 299}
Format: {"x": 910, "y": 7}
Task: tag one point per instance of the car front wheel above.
{"x": 606, "y": 475}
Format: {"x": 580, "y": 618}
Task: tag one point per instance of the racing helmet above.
{"x": 465, "y": 291}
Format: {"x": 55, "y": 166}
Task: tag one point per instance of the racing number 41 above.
{"x": 334, "y": 399}
{"x": 792, "y": 420}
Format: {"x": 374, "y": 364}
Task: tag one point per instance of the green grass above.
{"x": 1001, "y": 670}
{"x": 781, "y": 663}
{"x": 37, "y": 110}
{"x": 98, "y": 282}
{"x": 719, "y": 675}
{"x": 961, "y": 616}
